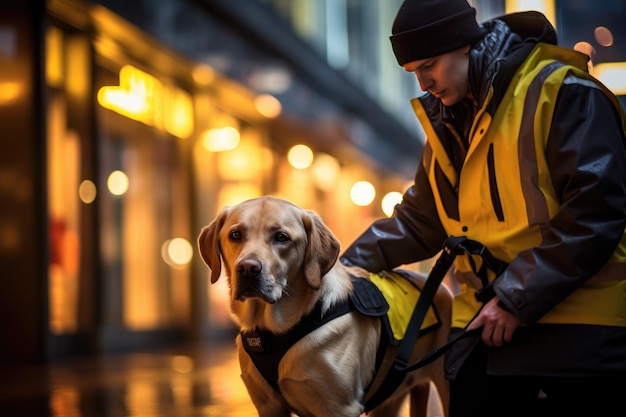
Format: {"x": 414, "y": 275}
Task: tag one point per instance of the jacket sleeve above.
{"x": 414, "y": 232}
{"x": 587, "y": 162}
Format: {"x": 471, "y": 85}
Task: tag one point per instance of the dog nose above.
{"x": 249, "y": 267}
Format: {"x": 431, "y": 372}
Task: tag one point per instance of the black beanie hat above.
{"x": 426, "y": 28}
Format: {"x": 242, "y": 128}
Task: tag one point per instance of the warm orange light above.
{"x": 300, "y": 156}
{"x": 203, "y": 75}
{"x": 544, "y": 6}
{"x": 87, "y": 191}
{"x": 603, "y": 35}
{"x": 142, "y": 97}
{"x": 389, "y": 202}
{"x": 241, "y": 164}
{"x": 8, "y": 92}
{"x": 362, "y": 193}
{"x": 613, "y": 75}
{"x": 326, "y": 171}
{"x": 117, "y": 183}
{"x": 222, "y": 139}
{"x": 231, "y": 194}
{"x": 268, "y": 105}
{"x": 54, "y": 57}
{"x": 177, "y": 252}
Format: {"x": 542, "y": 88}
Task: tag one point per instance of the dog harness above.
{"x": 372, "y": 298}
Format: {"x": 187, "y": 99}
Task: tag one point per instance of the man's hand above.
{"x": 498, "y": 324}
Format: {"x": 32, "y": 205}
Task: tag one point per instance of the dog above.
{"x": 281, "y": 263}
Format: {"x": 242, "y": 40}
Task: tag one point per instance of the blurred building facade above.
{"x": 128, "y": 125}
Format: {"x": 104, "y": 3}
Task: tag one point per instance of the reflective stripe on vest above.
{"x": 506, "y": 191}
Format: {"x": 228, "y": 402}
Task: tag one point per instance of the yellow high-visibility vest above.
{"x": 508, "y": 199}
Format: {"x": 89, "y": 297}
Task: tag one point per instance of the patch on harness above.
{"x": 253, "y": 341}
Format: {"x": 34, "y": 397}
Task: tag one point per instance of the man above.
{"x": 525, "y": 153}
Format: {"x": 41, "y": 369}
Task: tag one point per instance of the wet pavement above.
{"x": 178, "y": 384}
{"x": 200, "y": 382}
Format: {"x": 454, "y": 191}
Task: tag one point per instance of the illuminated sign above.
{"x": 142, "y": 97}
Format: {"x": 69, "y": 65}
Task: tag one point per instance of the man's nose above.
{"x": 424, "y": 82}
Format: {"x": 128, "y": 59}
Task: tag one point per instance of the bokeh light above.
{"x": 300, "y": 156}
{"x": 268, "y": 105}
{"x": 603, "y": 36}
{"x": 87, "y": 191}
{"x": 177, "y": 251}
{"x": 389, "y": 202}
{"x": 220, "y": 140}
{"x": 117, "y": 183}
{"x": 326, "y": 171}
{"x": 362, "y": 193}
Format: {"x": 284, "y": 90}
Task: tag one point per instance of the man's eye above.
{"x": 235, "y": 235}
{"x": 281, "y": 237}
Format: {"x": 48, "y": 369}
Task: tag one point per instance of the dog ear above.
{"x": 209, "y": 244}
{"x": 322, "y": 250}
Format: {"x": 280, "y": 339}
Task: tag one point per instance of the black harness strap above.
{"x": 453, "y": 246}
{"x": 266, "y": 348}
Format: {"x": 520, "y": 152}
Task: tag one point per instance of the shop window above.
{"x": 67, "y": 283}
{"x": 120, "y": 240}
{"x": 145, "y": 240}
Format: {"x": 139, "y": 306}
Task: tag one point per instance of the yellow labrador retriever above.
{"x": 281, "y": 262}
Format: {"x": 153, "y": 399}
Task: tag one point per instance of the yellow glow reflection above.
{"x": 141, "y": 397}
{"x": 54, "y": 57}
{"x": 219, "y": 140}
{"x": 179, "y": 120}
{"x": 268, "y": 105}
{"x": 613, "y": 75}
{"x": 117, "y": 183}
{"x": 142, "y": 97}
{"x": 9, "y": 91}
{"x": 87, "y": 191}
{"x": 177, "y": 252}
{"x": 326, "y": 171}
{"x": 78, "y": 66}
{"x": 182, "y": 364}
{"x": 241, "y": 164}
{"x": 232, "y": 194}
{"x": 389, "y": 202}
{"x": 300, "y": 156}
{"x": 544, "y": 6}
{"x": 362, "y": 193}
{"x": 203, "y": 75}
{"x": 65, "y": 401}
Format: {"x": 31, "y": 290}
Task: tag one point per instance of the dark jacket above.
{"x": 557, "y": 214}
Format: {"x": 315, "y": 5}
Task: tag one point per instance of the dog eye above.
{"x": 281, "y": 237}
{"x": 234, "y": 235}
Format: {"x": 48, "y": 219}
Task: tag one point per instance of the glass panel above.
{"x": 144, "y": 229}
{"x": 64, "y": 208}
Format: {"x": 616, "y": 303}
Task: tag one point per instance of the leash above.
{"x": 453, "y": 247}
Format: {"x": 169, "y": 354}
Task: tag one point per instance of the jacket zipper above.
{"x": 493, "y": 186}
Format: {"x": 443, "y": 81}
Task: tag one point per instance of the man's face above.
{"x": 444, "y": 76}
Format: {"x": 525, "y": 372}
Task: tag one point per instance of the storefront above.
{"x": 141, "y": 148}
